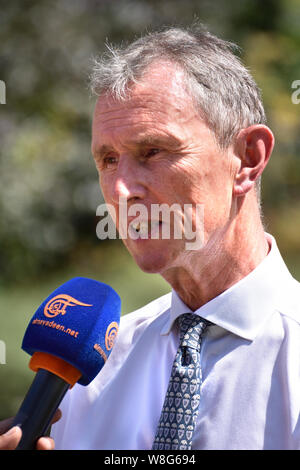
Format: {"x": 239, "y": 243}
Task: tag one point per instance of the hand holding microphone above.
{"x": 11, "y": 436}
{"x": 70, "y": 337}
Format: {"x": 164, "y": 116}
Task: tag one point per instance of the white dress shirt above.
{"x": 250, "y": 396}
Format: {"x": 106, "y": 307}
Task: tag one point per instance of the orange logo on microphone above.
{"x": 110, "y": 335}
{"x": 59, "y": 304}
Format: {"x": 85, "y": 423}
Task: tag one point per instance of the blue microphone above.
{"x": 70, "y": 337}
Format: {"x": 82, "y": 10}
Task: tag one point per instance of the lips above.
{"x": 144, "y": 229}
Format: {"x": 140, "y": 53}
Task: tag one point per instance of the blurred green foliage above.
{"x": 48, "y": 183}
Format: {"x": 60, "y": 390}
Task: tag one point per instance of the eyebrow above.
{"x": 102, "y": 150}
{"x": 169, "y": 141}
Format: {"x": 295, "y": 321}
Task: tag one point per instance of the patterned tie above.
{"x": 178, "y": 417}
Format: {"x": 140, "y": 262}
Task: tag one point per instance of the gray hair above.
{"x": 222, "y": 89}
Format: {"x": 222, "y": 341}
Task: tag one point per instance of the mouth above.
{"x": 145, "y": 229}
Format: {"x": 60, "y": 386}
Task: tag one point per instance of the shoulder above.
{"x": 147, "y": 312}
{"x": 289, "y": 302}
{"x": 133, "y": 324}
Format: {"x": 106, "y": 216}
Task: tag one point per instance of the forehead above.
{"x": 159, "y": 102}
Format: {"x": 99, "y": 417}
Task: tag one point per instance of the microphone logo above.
{"x": 110, "y": 335}
{"x": 58, "y": 305}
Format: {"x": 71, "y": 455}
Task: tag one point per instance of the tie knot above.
{"x": 191, "y": 329}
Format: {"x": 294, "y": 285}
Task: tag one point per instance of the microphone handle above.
{"x": 40, "y": 403}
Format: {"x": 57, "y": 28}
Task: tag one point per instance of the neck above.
{"x": 228, "y": 256}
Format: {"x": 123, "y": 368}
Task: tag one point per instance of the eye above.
{"x": 151, "y": 152}
{"x": 105, "y": 163}
{"x": 110, "y": 161}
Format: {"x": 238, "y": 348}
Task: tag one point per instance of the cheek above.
{"x": 188, "y": 184}
{"x": 106, "y": 187}
{"x": 212, "y": 188}
{"x": 176, "y": 179}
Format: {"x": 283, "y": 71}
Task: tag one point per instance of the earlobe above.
{"x": 253, "y": 149}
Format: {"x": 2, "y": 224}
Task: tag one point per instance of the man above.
{"x": 179, "y": 120}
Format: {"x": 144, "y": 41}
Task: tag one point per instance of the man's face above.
{"x": 153, "y": 148}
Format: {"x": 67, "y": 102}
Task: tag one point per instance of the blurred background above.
{"x": 48, "y": 183}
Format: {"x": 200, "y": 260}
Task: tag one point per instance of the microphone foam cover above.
{"x": 78, "y": 323}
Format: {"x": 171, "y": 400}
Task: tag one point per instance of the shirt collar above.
{"x": 245, "y": 307}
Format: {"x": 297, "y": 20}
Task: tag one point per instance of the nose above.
{"x": 128, "y": 181}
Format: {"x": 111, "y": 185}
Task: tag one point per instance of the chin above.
{"x": 150, "y": 265}
{"x": 152, "y": 261}
{"x": 153, "y": 257}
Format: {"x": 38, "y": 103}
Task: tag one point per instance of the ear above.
{"x": 253, "y": 148}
